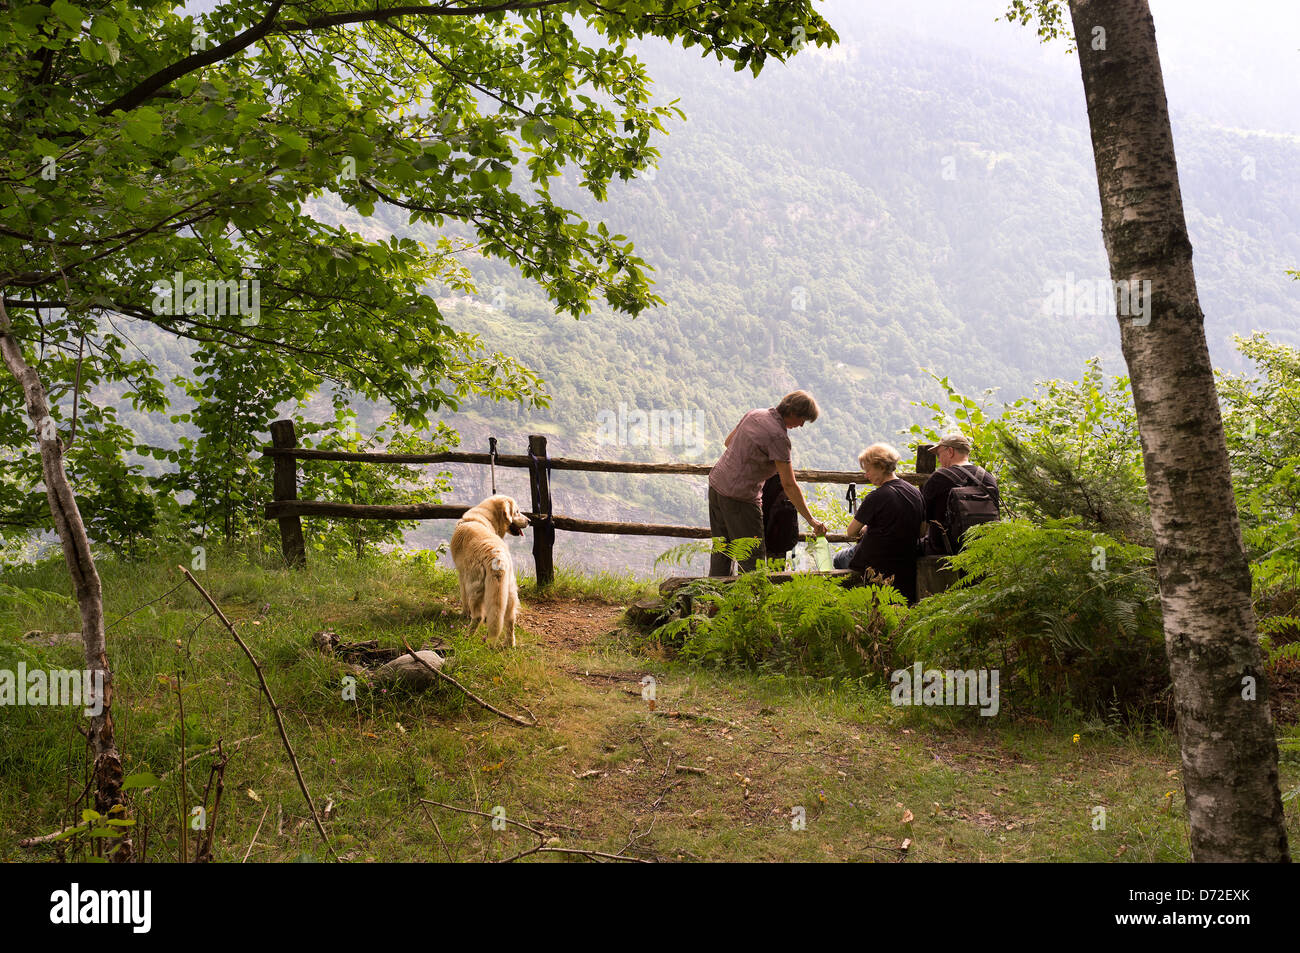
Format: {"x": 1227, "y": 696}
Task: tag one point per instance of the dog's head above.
{"x": 505, "y": 515}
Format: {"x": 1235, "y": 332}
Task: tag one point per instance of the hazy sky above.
{"x": 1233, "y": 63}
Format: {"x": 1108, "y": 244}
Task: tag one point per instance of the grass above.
{"x": 601, "y": 771}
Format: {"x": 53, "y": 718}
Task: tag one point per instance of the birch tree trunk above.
{"x": 1225, "y": 728}
{"x": 81, "y": 567}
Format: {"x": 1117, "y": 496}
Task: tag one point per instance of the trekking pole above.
{"x": 852, "y": 498}
{"x": 492, "y": 452}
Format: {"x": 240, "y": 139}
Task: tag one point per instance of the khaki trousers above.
{"x": 734, "y": 519}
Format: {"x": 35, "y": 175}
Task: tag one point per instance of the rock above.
{"x": 407, "y": 672}
{"x": 648, "y": 613}
{"x": 52, "y": 638}
{"x": 933, "y": 575}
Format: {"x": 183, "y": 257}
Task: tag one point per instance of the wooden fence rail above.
{"x": 438, "y": 511}
{"x": 289, "y": 510}
{"x": 562, "y": 463}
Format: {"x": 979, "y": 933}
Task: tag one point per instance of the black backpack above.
{"x": 780, "y": 520}
{"x": 971, "y": 502}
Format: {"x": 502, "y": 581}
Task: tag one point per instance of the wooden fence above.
{"x": 289, "y": 510}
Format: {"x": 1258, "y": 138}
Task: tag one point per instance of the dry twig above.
{"x": 541, "y": 847}
{"x": 275, "y": 710}
{"x": 495, "y": 711}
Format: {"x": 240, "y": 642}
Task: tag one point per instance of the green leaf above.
{"x": 69, "y": 14}
{"x": 143, "y": 779}
{"x": 143, "y": 125}
{"x": 32, "y": 15}
{"x": 104, "y": 29}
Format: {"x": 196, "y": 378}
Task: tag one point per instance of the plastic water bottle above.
{"x": 821, "y": 550}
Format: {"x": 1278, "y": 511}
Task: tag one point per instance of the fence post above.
{"x": 285, "y": 489}
{"x": 925, "y": 458}
{"x": 543, "y": 527}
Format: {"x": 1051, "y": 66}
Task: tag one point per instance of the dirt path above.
{"x": 568, "y": 623}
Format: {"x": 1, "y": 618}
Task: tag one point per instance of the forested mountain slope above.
{"x": 902, "y": 202}
{"x": 842, "y": 223}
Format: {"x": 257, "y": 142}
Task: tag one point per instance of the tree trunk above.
{"x": 81, "y": 567}
{"x": 1225, "y": 728}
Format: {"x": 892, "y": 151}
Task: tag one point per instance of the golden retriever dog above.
{"x": 488, "y": 588}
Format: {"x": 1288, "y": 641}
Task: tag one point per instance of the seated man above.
{"x": 886, "y": 523}
{"x": 955, "y": 469}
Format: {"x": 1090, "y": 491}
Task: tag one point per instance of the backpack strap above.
{"x": 983, "y": 476}
{"x": 961, "y": 476}
{"x": 964, "y": 477}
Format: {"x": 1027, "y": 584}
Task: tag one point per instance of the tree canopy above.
{"x": 164, "y": 161}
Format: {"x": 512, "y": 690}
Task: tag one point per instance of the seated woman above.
{"x": 891, "y": 516}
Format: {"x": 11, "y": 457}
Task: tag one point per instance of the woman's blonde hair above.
{"x": 879, "y": 455}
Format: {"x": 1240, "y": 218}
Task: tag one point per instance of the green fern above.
{"x": 810, "y": 625}
{"x": 1064, "y": 613}
{"x": 738, "y": 549}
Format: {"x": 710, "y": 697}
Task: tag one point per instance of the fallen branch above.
{"x": 541, "y": 847}
{"x": 194, "y": 757}
{"x": 575, "y": 850}
{"x": 275, "y": 710}
{"x": 437, "y": 830}
{"x": 495, "y": 711}
{"x": 46, "y": 838}
{"x": 255, "y": 833}
{"x": 491, "y": 817}
{"x": 900, "y": 853}
{"x": 694, "y": 716}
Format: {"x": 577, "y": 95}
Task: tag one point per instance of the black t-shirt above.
{"x": 935, "y": 493}
{"x": 892, "y": 514}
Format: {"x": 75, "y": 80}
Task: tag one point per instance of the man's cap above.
{"x": 958, "y": 442}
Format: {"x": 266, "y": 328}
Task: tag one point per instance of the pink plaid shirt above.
{"x": 760, "y": 443}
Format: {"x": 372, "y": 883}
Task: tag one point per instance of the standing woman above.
{"x": 757, "y": 449}
{"x": 891, "y": 515}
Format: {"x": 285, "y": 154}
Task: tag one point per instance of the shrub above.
{"x": 810, "y": 625}
{"x": 1065, "y": 614}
